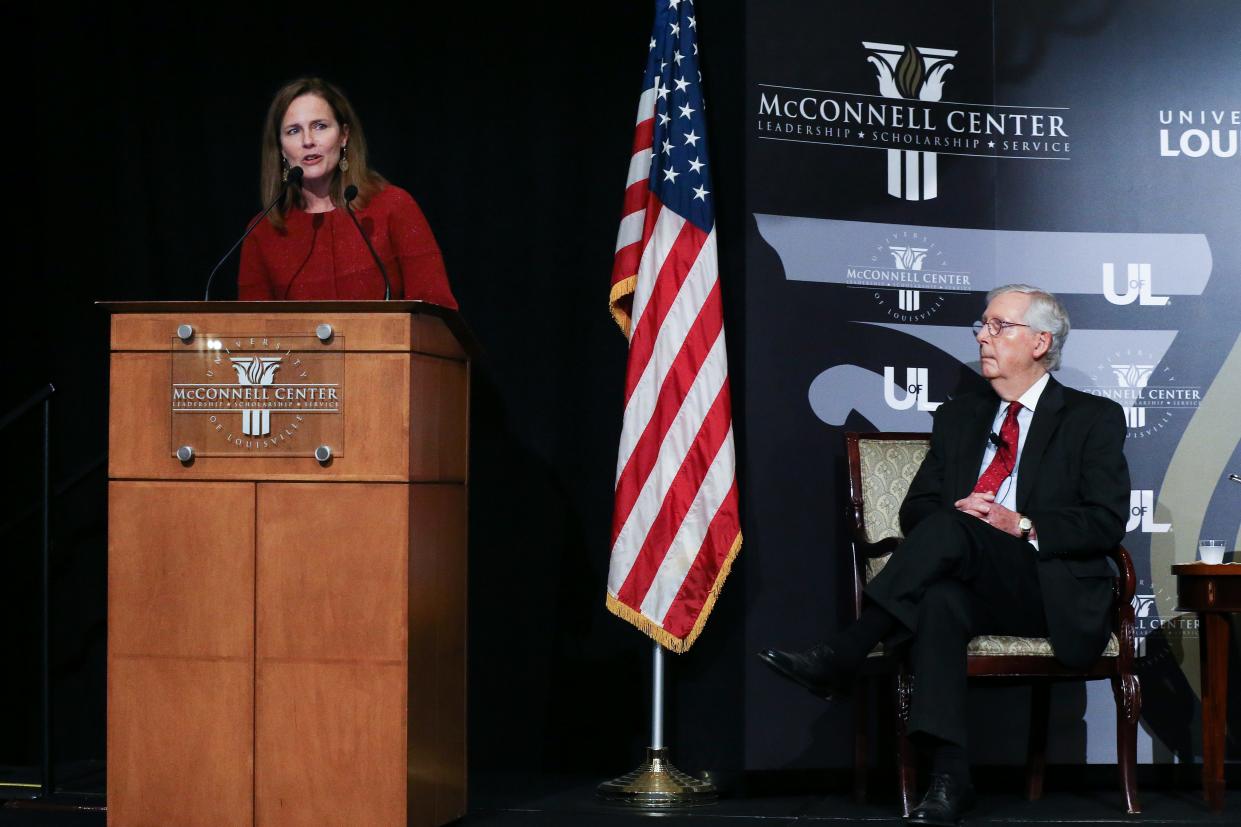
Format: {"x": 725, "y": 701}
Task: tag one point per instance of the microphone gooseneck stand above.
{"x": 351, "y": 192}
{"x": 294, "y": 179}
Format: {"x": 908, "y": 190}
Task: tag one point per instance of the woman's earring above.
{"x": 344, "y": 157}
{"x": 284, "y": 169}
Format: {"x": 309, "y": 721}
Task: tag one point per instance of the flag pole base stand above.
{"x": 657, "y": 785}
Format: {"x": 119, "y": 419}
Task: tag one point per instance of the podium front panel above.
{"x": 180, "y": 653}
{"x": 331, "y": 648}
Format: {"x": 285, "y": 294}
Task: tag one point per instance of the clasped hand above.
{"x": 984, "y": 507}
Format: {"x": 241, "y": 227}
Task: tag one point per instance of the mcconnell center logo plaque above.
{"x": 244, "y": 395}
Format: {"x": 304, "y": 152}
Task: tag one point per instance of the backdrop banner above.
{"x": 903, "y": 160}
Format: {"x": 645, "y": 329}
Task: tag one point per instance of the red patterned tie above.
{"x": 1005, "y": 456}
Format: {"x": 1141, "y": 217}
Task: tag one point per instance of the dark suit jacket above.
{"x": 1073, "y": 482}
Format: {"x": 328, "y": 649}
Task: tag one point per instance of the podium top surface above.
{"x": 139, "y": 325}
{"x": 376, "y": 306}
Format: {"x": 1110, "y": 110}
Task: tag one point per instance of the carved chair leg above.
{"x": 906, "y": 758}
{"x": 1036, "y": 746}
{"x": 1128, "y": 694}
{"x": 862, "y": 689}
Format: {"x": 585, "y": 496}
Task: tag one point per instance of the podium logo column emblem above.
{"x": 255, "y": 371}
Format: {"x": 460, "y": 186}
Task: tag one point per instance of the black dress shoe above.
{"x": 816, "y": 669}
{"x": 945, "y": 802}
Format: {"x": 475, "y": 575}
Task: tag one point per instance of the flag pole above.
{"x": 657, "y": 697}
{"x": 656, "y": 784}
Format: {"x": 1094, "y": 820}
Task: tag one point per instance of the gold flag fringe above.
{"x": 657, "y": 632}
{"x": 620, "y": 290}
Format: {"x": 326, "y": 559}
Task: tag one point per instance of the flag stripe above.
{"x": 674, "y": 508}
{"x": 685, "y": 267}
{"x": 685, "y": 312}
{"x": 659, "y": 240}
{"x": 672, "y": 453}
{"x": 630, "y": 229}
{"x": 676, "y": 385}
{"x": 650, "y": 362}
{"x": 625, "y": 268}
{"x": 646, "y": 107}
{"x": 636, "y": 196}
{"x": 643, "y": 139}
{"x": 695, "y": 591}
{"x": 641, "y": 404}
{"x": 687, "y": 546}
{"x": 640, "y": 169}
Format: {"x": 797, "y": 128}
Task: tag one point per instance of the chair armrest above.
{"x": 857, "y": 532}
{"x": 1126, "y": 580}
{"x": 855, "y": 520}
{"x": 1122, "y": 592}
{"x": 885, "y": 546}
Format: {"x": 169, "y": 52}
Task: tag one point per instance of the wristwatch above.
{"x": 1026, "y": 525}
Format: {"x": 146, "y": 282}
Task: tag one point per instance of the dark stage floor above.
{"x": 510, "y": 801}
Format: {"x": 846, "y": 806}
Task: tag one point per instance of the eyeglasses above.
{"x": 995, "y": 326}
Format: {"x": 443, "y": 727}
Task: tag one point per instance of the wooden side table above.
{"x": 1213, "y": 592}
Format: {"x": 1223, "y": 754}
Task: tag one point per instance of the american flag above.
{"x": 675, "y": 527}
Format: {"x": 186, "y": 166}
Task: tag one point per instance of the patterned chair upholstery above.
{"x": 881, "y": 468}
{"x": 887, "y": 469}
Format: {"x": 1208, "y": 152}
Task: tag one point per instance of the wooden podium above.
{"x": 286, "y": 632}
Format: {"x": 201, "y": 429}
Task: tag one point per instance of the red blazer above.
{"x": 322, "y": 256}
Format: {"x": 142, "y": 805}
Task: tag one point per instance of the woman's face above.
{"x": 311, "y": 138}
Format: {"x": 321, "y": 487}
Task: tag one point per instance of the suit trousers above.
{"x": 953, "y": 578}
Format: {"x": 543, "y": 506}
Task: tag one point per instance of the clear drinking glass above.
{"x": 1211, "y": 551}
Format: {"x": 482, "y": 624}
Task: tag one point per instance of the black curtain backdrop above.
{"x": 134, "y": 165}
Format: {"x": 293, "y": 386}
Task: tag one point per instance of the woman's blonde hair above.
{"x": 360, "y": 173}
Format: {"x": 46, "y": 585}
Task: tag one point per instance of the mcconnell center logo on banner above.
{"x": 908, "y": 275}
{"x": 910, "y": 119}
{"x": 1147, "y": 621}
{"x": 1148, "y": 391}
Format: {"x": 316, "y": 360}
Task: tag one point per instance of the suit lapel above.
{"x": 974, "y": 443}
{"x": 1046, "y": 420}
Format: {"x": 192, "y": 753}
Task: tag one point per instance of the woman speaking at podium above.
{"x": 309, "y": 248}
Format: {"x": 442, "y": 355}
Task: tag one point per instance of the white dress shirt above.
{"x": 1007, "y": 495}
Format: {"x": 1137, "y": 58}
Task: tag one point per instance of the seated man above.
{"x": 1006, "y": 525}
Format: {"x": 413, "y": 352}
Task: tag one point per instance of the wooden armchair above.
{"x": 881, "y": 467}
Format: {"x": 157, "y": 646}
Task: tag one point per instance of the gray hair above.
{"x": 1045, "y": 314}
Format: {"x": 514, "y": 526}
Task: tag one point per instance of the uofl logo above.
{"x": 1211, "y": 133}
{"x": 1136, "y": 287}
{"x": 1142, "y": 513}
{"x": 915, "y": 391}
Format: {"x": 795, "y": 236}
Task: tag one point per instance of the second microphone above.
{"x": 351, "y": 192}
